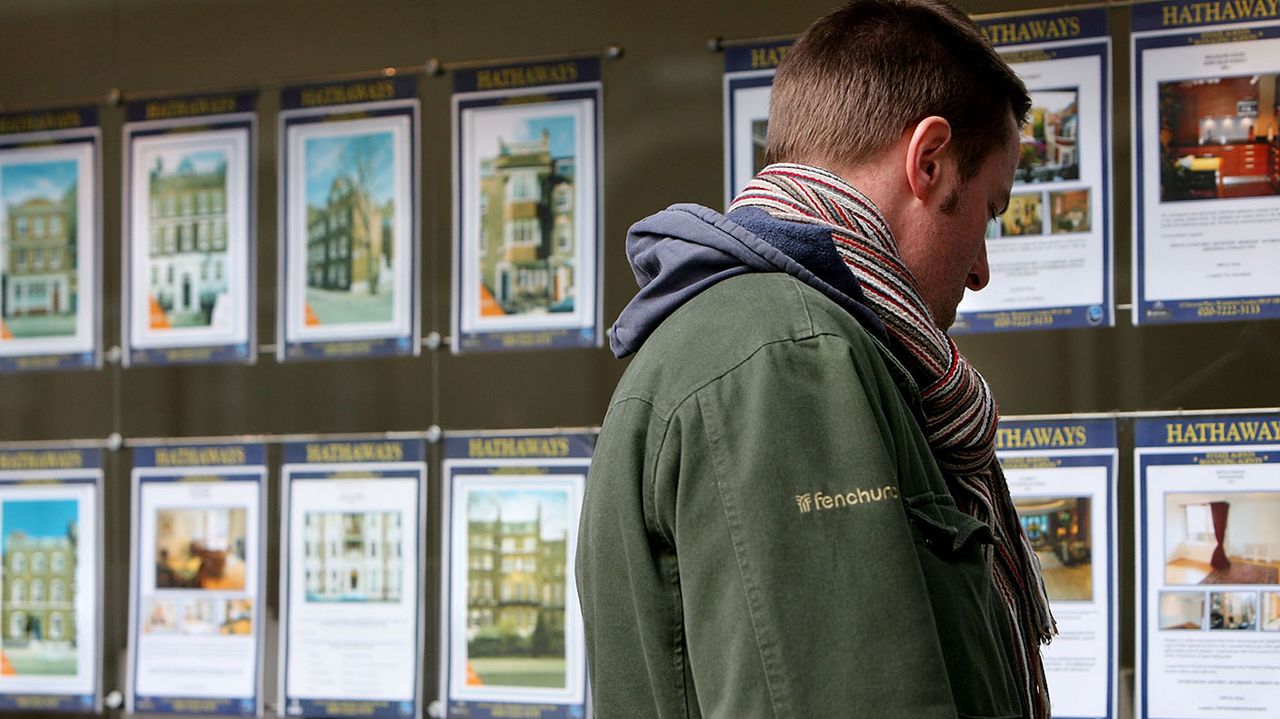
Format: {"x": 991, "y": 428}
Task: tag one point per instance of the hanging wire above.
{"x": 435, "y": 66}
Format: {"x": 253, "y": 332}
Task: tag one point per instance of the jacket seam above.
{"x": 679, "y": 404}
{"x": 774, "y": 682}
{"x": 649, "y": 509}
{"x": 804, "y": 302}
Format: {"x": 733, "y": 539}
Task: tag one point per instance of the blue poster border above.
{"x": 306, "y": 105}
{"x": 746, "y": 67}
{"x": 244, "y": 119}
{"x": 1154, "y": 312}
{"x": 63, "y": 126}
{"x": 299, "y": 465}
{"x": 550, "y": 454}
{"x": 170, "y": 464}
{"x": 733, "y": 84}
{"x": 1087, "y": 316}
{"x": 587, "y": 86}
{"x": 1144, "y": 460}
{"x": 1095, "y": 445}
{"x": 71, "y": 462}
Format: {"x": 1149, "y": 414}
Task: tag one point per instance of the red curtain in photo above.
{"x": 1219, "y": 512}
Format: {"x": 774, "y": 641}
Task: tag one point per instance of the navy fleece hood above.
{"x": 680, "y": 252}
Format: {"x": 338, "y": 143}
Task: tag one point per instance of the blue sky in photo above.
{"x": 508, "y": 126}
{"x": 50, "y": 180}
{"x": 560, "y": 130}
{"x": 326, "y": 158}
{"x": 202, "y": 162}
{"x": 521, "y": 505}
{"x": 38, "y": 518}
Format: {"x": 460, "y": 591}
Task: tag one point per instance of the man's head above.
{"x": 907, "y": 100}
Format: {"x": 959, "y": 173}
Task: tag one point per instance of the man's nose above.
{"x": 980, "y": 273}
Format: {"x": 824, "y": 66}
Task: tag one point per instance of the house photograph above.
{"x": 1233, "y": 610}
{"x": 1048, "y": 143}
{"x": 527, "y": 243}
{"x": 38, "y": 233}
{"x": 350, "y": 247}
{"x": 517, "y": 572}
{"x": 1069, "y": 211}
{"x": 1218, "y": 138}
{"x": 200, "y": 549}
{"x": 1060, "y": 530}
{"x": 1271, "y": 611}
{"x": 352, "y": 556}
{"x": 1222, "y": 538}
{"x": 38, "y": 587}
{"x": 187, "y": 226}
{"x": 1182, "y": 610}
{"x": 1023, "y": 216}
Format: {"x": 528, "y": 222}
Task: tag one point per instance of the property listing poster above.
{"x": 50, "y": 580}
{"x": 351, "y": 579}
{"x": 748, "y": 79}
{"x": 49, "y": 236}
{"x": 511, "y": 636}
{"x": 1062, "y": 477}
{"x": 197, "y": 580}
{"x": 1208, "y": 500}
{"x": 1050, "y": 251}
{"x": 349, "y": 220}
{"x": 189, "y": 230}
{"x": 527, "y": 196}
{"x": 1206, "y": 174}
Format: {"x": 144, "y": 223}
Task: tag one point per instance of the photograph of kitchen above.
{"x": 1218, "y": 138}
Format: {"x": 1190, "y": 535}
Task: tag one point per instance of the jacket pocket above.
{"x": 954, "y": 550}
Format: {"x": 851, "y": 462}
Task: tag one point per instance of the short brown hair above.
{"x": 861, "y": 75}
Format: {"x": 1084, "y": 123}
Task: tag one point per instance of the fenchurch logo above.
{"x": 818, "y": 501}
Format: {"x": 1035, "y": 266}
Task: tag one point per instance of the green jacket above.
{"x": 766, "y": 534}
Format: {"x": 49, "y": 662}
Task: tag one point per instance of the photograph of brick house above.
{"x": 527, "y": 246}
{"x": 37, "y": 594}
{"x": 350, "y": 219}
{"x": 38, "y": 249}
{"x": 517, "y": 575}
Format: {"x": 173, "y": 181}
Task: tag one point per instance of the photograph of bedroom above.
{"x": 1218, "y": 138}
{"x": 1222, "y": 538}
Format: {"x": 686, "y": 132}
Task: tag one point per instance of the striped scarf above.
{"x": 960, "y": 413}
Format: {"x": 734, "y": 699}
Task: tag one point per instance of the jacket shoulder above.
{"x": 724, "y": 326}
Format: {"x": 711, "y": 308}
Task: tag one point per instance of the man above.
{"x": 794, "y": 508}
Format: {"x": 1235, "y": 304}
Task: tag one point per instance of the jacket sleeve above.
{"x": 801, "y": 588}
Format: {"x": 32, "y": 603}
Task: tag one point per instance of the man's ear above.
{"x": 929, "y": 144}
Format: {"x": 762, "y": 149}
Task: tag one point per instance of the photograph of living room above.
{"x": 1222, "y": 538}
{"x": 1182, "y": 610}
{"x": 1218, "y": 138}
{"x": 1048, "y": 143}
{"x": 1233, "y": 610}
{"x": 1060, "y": 532}
{"x": 1023, "y": 216}
{"x": 1271, "y": 611}
{"x": 200, "y": 548}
